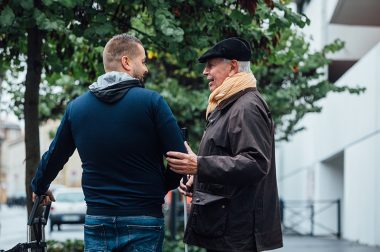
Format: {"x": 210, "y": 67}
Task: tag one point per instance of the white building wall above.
{"x": 322, "y": 32}
{"x": 330, "y": 7}
{"x": 314, "y": 31}
{"x": 14, "y": 168}
{"x": 337, "y": 156}
{"x": 346, "y": 118}
{"x": 355, "y": 46}
{"x": 349, "y": 125}
{"x": 377, "y": 193}
{"x": 329, "y": 188}
{"x": 362, "y": 188}
{"x": 296, "y": 158}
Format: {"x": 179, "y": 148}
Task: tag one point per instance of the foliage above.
{"x": 65, "y": 246}
{"x": 179, "y": 246}
{"x": 175, "y": 33}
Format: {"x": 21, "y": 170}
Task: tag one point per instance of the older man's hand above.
{"x": 186, "y": 189}
{"x": 183, "y": 163}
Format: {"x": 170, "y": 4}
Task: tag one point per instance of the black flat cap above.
{"x": 231, "y": 48}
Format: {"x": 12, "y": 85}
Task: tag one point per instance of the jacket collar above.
{"x": 225, "y": 104}
{"x": 233, "y": 98}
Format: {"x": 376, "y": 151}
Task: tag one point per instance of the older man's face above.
{"x": 216, "y": 71}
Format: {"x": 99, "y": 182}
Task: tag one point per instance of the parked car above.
{"x": 17, "y": 199}
{"x": 54, "y": 187}
{"x": 69, "y": 207}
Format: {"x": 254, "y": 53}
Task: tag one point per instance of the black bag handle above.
{"x": 37, "y": 202}
{"x": 37, "y": 223}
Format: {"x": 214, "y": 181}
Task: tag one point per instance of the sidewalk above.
{"x": 313, "y": 244}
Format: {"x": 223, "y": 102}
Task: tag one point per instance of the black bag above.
{"x": 37, "y": 226}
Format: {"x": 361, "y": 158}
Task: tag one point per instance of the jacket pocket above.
{"x": 210, "y": 214}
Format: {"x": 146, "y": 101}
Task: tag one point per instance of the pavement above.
{"x": 314, "y": 244}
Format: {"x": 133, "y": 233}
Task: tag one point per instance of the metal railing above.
{"x": 299, "y": 217}
{"x": 311, "y": 218}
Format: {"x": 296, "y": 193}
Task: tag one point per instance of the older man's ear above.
{"x": 234, "y": 68}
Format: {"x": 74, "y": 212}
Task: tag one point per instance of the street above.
{"x": 13, "y": 222}
{"x": 13, "y": 230}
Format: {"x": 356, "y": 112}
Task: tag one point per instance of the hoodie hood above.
{"x": 112, "y": 86}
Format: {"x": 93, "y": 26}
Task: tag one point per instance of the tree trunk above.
{"x": 32, "y": 83}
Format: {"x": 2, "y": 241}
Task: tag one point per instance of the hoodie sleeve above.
{"x": 53, "y": 160}
{"x": 170, "y": 136}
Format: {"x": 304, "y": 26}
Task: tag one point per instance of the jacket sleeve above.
{"x": 170, "y": 138}
{"x": 53, "y": 160}
{"x": 250, "y": 138}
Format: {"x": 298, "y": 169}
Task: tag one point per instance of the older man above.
{"x": 235, "y": 204}
{"x": 121, "y": 131}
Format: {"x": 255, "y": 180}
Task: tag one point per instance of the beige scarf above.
{"x": 229, "y": 87}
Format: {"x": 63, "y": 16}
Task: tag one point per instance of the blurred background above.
{"x": 317, "y": 65}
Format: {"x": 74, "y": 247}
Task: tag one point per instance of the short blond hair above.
{"x": 116, "y": 47}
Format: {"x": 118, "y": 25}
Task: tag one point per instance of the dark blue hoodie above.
{"x": 121, "y": 131}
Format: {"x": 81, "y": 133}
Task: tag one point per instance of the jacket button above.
{"x": 223, "y": 206}
{"x": 197, "y": 200}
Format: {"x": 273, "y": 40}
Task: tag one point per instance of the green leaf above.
{"x": 175, "y": 33}
{"x": 27, "y": 4}
{"x": 104, "y": 29}
{"x": 46, "y": 24}
{"x": 6, "y": 17}
{"x": 47, "y": 2}
{"x": 68, "y": 3}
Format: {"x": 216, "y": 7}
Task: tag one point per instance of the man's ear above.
{"x": 126, "y": 63}
{"x": 234, "y": 68}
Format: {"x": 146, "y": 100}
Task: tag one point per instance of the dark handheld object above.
{"x": 185, "y": 135}
{"x": 37, "y": 224}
